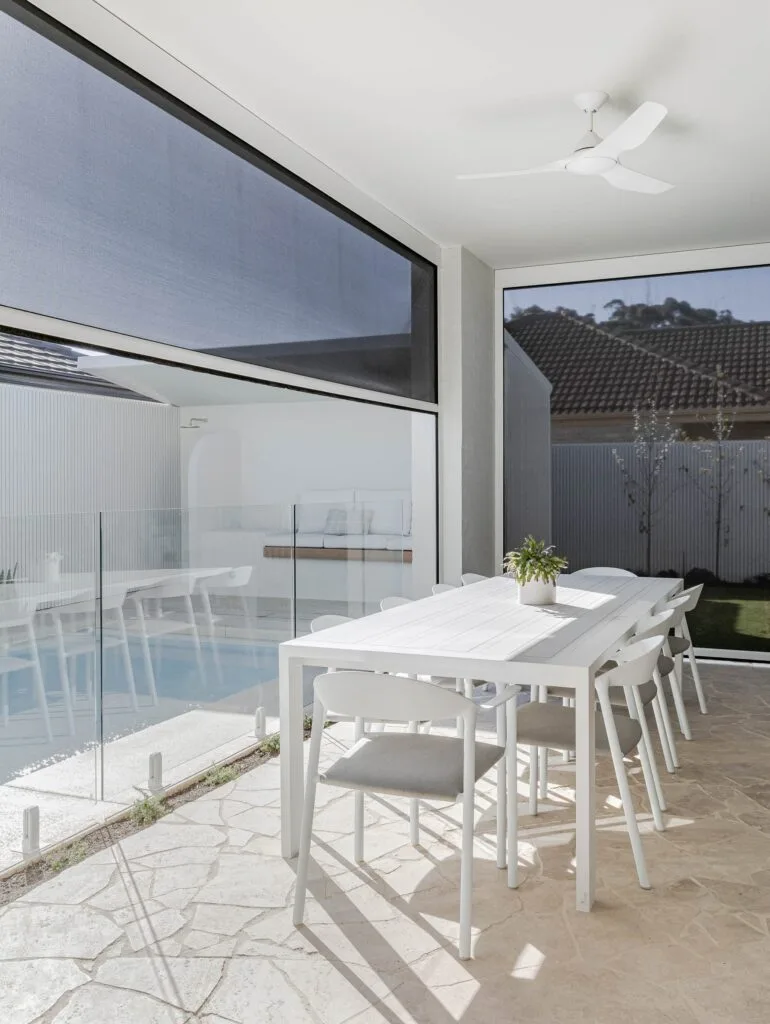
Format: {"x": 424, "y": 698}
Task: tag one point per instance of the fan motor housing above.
{"x": 590, "y": 102}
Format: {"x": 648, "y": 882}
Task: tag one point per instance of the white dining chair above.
{"x": 148, "y": 626}
{"x": 328, "y": 622}
{"x": 674, "y": 647}
{"x": 468, "y": 578}
{"x": 78, "y": 635}
{"x": 393, "y": 602}
{"x": 19, "y": 652}
{"x": 658, "y": 625}
{"x": 442, "y": 588}
{"x": 553, "y": 726}
{"x": 681, "y": 642}
{"x": 228, "y": 580}
{"x": 410, "y": 764}
{"x": 649, "y": 693}
{"x": 602, "y": 570}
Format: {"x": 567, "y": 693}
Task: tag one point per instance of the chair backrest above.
{"x": 232, "y": 578}
{"x": 472, "y": 577}
{"x": 442, "y": 588}
{"x": 602, "y": 570}
{"x": 393, "y": 602}
{"x": 636, "y": 663}
{"x": 112, "y": 596}
{"x": 17, "y": 611}
{"x": 327, "y": 621}
{"x": 180, "y": 584}
{"x": 372, "y": 695}
{"x": 679, "y": 606}
{"x": 693, "y": 595}
{"x": 659, "y": 624}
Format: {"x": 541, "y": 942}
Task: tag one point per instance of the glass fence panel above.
{"x": 349, "y": 556}
{"x": 50, "y": 693}
{"x": 202, "y": 606}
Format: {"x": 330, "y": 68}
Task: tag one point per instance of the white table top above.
{"x": 81, "y": 586}
{"x": 485, "y": 633}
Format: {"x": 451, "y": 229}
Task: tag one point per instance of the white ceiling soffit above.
{"x": 176, "y": 386}
{"x": 400, "y": 97}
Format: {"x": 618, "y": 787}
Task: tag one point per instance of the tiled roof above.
{"x": 43, "y": 364}
{"x": 592, "y": 371}
{"x": 740, "y": 351}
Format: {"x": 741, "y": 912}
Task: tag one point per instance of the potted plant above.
{"x": 535, "y": 568}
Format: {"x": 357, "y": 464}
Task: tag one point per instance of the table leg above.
{"x": 585, "y": 771}
{"x": 292, "y": 764}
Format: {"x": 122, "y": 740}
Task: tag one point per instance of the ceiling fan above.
{"x": 599, "y": 157}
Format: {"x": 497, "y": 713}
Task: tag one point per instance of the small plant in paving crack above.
{"x": 271, "y": 744}
{"x": 147, "y": 810}
{"x": 219, "y": 775}
{"x": 68, "y": 857}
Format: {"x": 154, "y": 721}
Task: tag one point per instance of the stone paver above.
{"x": 30, "y": 987}
{"x": 52, "y": 931}
{"x": 181, "y": 981}
{"x": 189, "y": 921}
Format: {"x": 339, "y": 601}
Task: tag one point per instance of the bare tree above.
{"x": 654, "y": 435}
{"x": 716, "y": 475}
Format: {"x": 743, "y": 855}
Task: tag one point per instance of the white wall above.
{"x": 285, "y": 450}
{"x": 288, "y": 448}
{"x": 466, "y": 393}
{"x": 66, "y": 456}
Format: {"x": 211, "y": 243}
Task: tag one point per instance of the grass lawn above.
{"x": 733, "y": 618}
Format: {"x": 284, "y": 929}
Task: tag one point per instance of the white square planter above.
{"x": 537, "y": 592}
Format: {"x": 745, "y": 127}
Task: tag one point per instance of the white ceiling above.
{"x": 175, "y": 386}
{"x": 399, "y": 97}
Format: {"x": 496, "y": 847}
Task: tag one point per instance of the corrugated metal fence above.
{"x": 599, "y": 515}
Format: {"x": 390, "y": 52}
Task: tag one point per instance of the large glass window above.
{"x": 659, "y": 424}
{"x": 123, "y": 210}
{"x": 162, "y": 531}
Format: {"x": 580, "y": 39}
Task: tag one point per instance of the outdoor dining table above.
{"x": 480, "y": 632}
{"x": 83, "y": 586}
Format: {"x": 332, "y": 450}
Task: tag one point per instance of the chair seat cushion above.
{"x": 553, "y": 725}
{"x": 665, "y": 665}
{"x": 646, "y": 691}
{"x": 409, "y": 764}
{"x": 678, "y": 644}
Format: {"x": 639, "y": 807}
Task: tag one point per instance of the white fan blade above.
{"x": 635, "y": 130}
{"x": 557, "y": 165}
{"x": 633, "y": 181}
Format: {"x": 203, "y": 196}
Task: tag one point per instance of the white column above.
{"x": 585, "y": 772}
{"x": 292, "y": 766}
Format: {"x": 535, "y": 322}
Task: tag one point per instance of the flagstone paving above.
{"x": 189, "y": 921}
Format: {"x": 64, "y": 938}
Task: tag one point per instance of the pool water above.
{"x": 226, "y": 669}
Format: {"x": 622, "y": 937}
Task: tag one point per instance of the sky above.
{"x": 746, "y": 292}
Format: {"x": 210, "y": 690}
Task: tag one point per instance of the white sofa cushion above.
{"x": 351, "y": 520}
{"x": 313, "y": 508}
{"x": 392, "y": 510}
{"x": 302, "y": 540}
{"x": 366, "y": 541}
{"x": 398, "y": 543}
